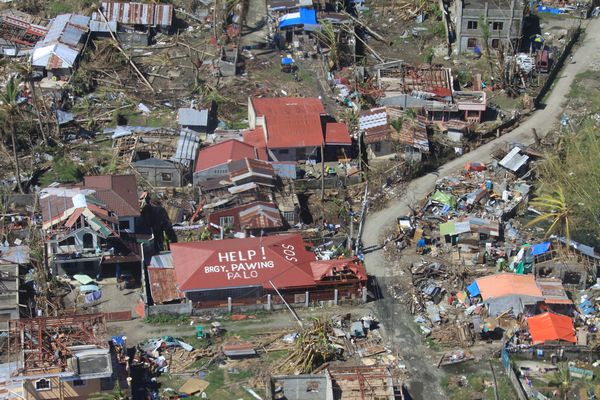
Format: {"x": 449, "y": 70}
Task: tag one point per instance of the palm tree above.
{"x": 11, "y": 113}
{"x": 25, "y": 70}
{"x": 562, "y": 378}
{"x": 555, "y": 209}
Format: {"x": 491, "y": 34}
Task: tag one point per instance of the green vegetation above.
{"x": 59, "y": 7}
{"x": 568, "y": 188}
{"x": 63, "y": 170}
{"x": 166, "y": 319}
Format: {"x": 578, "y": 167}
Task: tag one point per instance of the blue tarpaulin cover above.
{"x": 540, "y": 248}
{"x": 286, "y": 61}
{"x": 304, "y": 17}
{"x": 473, "y": 289}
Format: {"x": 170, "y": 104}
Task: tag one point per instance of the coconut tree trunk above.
{"x": 13, "y": 137}
{"x": 37, "y": 110}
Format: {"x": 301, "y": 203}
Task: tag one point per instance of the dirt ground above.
{"x": 425, "y": 379}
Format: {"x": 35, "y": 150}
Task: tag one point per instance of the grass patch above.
{"x": 59, "y": 7}
{"x": 166, "y": 320}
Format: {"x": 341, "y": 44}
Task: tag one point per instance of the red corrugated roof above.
{"x": 337, "y": 133}
{"x": 221, "y": 153}
{"x": 291, "y": 121}
{"x": 550, "y": 326}
{"x": 243, "y": 262}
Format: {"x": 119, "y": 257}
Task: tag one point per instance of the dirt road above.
{"x": 425, "y": 377}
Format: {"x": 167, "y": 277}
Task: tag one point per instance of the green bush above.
{"x": 63, "y": 171}
{"x": 59, "y": 7}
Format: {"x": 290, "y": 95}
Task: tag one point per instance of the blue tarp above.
{"x": 473, "y": 289}
{"x": 304, "y": 17}
{"x": 286, "y": 61}
{"x": 551, "y": 10}
{"x": 540, "y": 248}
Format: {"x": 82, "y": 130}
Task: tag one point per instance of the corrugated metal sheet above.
{"x": 136, "y": 13}
{"x": 163, "y": 14}
{"x": 187, "y": 147}
{"x": 162, "y": 261}
{"x": 100, "y": 26}
{"x": 60, "y": 48}
{"x": 192, "y": 117}
{"x": 514, "y": 160}
{"x": 163, "y": 286}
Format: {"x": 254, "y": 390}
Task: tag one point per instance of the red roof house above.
{"x": 290, "y": 128}
{"x": 219, "y": 154}
{"x": 550, "y": 326}
{"x": 257, "y": 215}
{"x": 256, "y": 262}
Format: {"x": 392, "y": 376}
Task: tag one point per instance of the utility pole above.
{"x": 322, "y": 172}
{"x": 351, "y": 234}
{"x": 363, "y": 212}
{"x": 287, "y": 305}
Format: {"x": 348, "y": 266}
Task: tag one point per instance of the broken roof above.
{"x": 550, "y": 326}
{"x": 290, "y": 121}
{"x": 61, "y": 45}
{"x": 192, "y": 117}
{"x": 222, "y": 153}
{"x": 414, "y": 134}
{"x": 302, "y": 387}
{"x": 187, "y": 147}
{"x": 514, "y": 160}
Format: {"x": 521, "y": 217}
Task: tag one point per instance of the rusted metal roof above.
{"x": 415, "y": 134}
{"x": 147, "y": 14}
{"x": 163, "y": 286}
{"x": 260, "y": 216}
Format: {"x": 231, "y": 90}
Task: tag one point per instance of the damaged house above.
{"x": 503, "y": 17}
{"x": 294, "y": 129}
{"x": 19, "y": 30}
{"x": 429, "y": 91}
{"x": 377, "y": 134}
{"x": 90, "y": 228}
{"x": 240, "y": 192}
{"x": 66, "y": 357}
{"x": 164, "y": 157}
{"x": 133, "y": 23}
{"x": 56, "y": 55}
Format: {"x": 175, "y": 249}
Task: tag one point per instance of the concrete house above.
{"x": 196, "y": 120}
{"x": 160, "y": 173}
{"x": 504, "y": 18}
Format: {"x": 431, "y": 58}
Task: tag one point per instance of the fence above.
{"x": 557, "y": 66}
{"x": 512, "y": 375}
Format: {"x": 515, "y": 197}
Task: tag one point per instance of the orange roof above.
{"x": 291, "y": 121}
{"x": 506, "y": 284}
{"x": 550, "y": 326}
